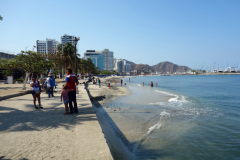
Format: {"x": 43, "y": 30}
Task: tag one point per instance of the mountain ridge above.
{"x": 161, "y": 67}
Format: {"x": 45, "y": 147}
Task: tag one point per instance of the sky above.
{"x": 193, "y": 33}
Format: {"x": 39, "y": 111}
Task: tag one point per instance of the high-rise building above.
{"x": 49, "y": 46}
{"x": 125, "y": 66}
{"x": 122, "y": 66}
{"x": 118, "y": 65}
{"x": 67, "y": 38}
{"x": 102, "y": 59}
{"x": 96, "y": 57}
{"x": 107, "y": 60}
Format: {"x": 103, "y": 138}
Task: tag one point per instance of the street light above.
{"x": 75, "y": 43}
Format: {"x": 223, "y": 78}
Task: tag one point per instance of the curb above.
{"x": 15, "y": 95}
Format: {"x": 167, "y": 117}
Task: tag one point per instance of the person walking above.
{"x": 99, "y": 82}
{"x": 50, "y": 84}
{"x": 36, "y": 92}
{"x": 121, "y": 82}
{"x": 108, "y": 84}
{"x": 71, "y": 83}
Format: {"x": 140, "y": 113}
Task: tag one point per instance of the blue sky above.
{"x": 185, "y": 32}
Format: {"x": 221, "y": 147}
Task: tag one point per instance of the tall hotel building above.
{"x": 49, "y": 46}
{"x": 122, "y": 66}
{"x": 108, "y": 60}
{"x": 96, "y": 57}
{"x": 67, "y": 38}
{"x": 101, "y": 59}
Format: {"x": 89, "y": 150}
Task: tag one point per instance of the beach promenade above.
{"x": 29, "y": 133}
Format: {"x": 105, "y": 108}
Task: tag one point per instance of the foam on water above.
{"x": 162, "y": 122}
{"x": 167, "y": 93}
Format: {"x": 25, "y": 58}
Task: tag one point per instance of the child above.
{"x": 64, "y": 95}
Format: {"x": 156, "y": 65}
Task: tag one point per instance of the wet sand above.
{"x": 126, "y": 118}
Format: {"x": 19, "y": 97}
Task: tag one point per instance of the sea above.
{"x": 181, "y": 117}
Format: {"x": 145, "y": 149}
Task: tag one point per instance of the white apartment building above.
{"x": 67, "y": 38}
{"x": 118, "y": 65}
{"x": 121, "y": 65}
{"x": 108, "y": 60}
{"x": 49, "y": 46}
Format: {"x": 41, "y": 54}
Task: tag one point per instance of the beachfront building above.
{"x": 122, "y": 66}
{"x": 7, "y": 55}
{"x": 118, "y": 65}
{"x": 96, "y": 57}
{"x": 49, "y": 46}
{"x": 126, "y": 68}
{"x": 107, "y": 60}
{"x": 67, "y": 38}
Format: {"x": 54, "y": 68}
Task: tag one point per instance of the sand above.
{"x": 27, "y": 133}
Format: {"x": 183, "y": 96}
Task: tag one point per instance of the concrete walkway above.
{"x": 15, "y": 90}
{"x": 28, "y": 133}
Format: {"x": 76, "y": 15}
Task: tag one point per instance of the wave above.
{"x": 176, "y": 98}
{"x": 162, "y": 122}
{"x": 139, "y": 85}
{"x": 167, "y": 93}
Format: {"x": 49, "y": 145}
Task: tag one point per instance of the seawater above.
{"x": 184, "y": 117}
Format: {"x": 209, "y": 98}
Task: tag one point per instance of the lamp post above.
{"x": 75, "y": 43}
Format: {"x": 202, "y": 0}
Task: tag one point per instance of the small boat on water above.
{"x": 220, "y": 70}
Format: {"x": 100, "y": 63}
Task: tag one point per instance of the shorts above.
{"x": 65, "y": 101}
{"x": 33, "y": 93}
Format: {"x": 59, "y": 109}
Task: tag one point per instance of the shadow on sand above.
{"x": 51, "y": 116}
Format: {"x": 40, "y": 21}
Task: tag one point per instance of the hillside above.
{"x": 170, "y": 67}
{"x": 160, "y": 67}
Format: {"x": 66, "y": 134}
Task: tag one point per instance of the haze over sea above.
{"x": 199, "y": 120}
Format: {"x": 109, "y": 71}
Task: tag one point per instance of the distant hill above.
{"x": 160, "y": 67}
{"x": 170, "y": 67}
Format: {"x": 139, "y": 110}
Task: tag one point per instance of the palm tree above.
{"x": 69, "y": 56}
{"x": 90, "y": 65}
{"x": 1, "y": 18}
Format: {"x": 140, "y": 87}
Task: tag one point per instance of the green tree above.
{"x": 96, "y": 71}
{"x": 10, "y": 65}
{"x": 105, "y": 72}
{"x": 90, "y": 65}
{"x": 114, "y": 72}
{"x": 31, "y": 62}
{"x": 1, "y": 18}
{"x": 194, "y": 71}
{"x": 203, "y": 71}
